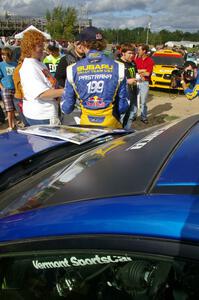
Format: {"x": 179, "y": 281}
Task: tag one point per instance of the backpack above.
{"x": 17, "y": 82}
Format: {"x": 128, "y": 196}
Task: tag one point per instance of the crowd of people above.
{"x": 44, "y": 86}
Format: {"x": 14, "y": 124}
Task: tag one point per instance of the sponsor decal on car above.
{"x": 73, "y": 261}
{"x": 143, "y": 142}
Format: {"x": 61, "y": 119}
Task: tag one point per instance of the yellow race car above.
{"x": 166, "y": 61}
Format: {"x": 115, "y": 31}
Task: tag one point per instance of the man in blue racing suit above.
{"x": 98, "y": 82}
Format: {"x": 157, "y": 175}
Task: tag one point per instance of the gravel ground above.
{"x": 162, "y": 107}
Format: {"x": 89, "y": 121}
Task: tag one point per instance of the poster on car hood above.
{"x": 77, "y": 135}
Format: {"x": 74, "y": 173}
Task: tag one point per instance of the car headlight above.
{"x": 153, "y": 74}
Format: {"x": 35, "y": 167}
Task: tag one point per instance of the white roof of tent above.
{"x": 31, "y": 27}
{"x": 188, "y": 44}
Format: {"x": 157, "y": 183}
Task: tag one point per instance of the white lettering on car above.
{"x": 77, "y": 262}
{"x": 143, "y": 142}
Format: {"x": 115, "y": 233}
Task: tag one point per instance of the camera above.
{"x": 188, "y": 74}
{"x": 177, "y": 74}
{"x": 176, "y": 77}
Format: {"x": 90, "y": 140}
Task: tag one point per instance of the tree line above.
{"x": 62, "y": 23}
{"x": 139, "y": 35}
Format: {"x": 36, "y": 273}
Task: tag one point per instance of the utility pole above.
{"x": 148, "y": 29}
{"x": 82, "y": 15}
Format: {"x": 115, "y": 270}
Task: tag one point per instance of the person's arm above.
{"x": 184, "y": 85}
{"x": 1, "y": 76}
{"x": 51, "y": 94}
{"x": 148, "y": 70}
{"x": 144, "y": 72}
{"x": 122, "y": 97}
{"x": 190, "y": 93}
{"x": 60, "y": 73}
{"x": 36, "y": 85}
{"x": 131, "y": 81}
{"x": 68, "y": 99}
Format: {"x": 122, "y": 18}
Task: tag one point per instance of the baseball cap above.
{"x": 90, "y": 34}
{"x": 53, "y": 46}
{"x": 190, "y": 63}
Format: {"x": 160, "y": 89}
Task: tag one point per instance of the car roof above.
{"x": 167, "y": 52}
{"x": 126, "y": 182}
{"x": 180, "y": 174}
{"x": 138, "y": 158}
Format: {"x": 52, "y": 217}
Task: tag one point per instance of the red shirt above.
{"x": 145, "y": 63}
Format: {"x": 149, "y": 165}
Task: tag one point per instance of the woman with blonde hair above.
{"x": 40, "y": 104}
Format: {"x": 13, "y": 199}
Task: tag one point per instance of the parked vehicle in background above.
{"x": 194, "y": 57}
{"x": 165, "y": 62}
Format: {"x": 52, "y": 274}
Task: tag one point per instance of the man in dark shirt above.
{"x": 127, "y": 54}
{"x": 69, "y": 58}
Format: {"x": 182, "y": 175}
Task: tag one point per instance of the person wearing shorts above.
{"x": 7, "y": 67}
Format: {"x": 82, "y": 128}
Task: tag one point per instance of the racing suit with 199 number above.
{"x": 99, "y": 83}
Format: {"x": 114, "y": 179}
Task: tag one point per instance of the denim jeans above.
{"x": 37, "y": 122}
{"x": 143, "y": 94}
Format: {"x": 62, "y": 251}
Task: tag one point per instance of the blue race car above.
{"x": 118, "y": 221}
{"x": 29, "y": 151}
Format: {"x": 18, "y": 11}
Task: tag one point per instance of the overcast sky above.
{"x": 161, "y": 14}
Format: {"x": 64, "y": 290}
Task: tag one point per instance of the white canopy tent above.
{"x": 31, "y": 27}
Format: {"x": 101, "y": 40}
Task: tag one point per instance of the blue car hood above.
{"x": 16, "y": 147}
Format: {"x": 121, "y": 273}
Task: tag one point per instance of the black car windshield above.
{"x": 168, "y": 60}
{"x": 41, "y": 189}
{"x": 100, "y": 276}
